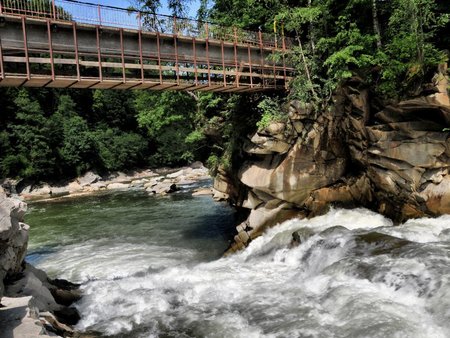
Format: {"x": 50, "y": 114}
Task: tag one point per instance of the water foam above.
{"x": 331, "y": 285}
{"x": 270, "y": 290}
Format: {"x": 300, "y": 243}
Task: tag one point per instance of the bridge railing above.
{"x": 109, "y": 16}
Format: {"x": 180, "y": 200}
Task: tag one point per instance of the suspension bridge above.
{"x": 75, "y": 44}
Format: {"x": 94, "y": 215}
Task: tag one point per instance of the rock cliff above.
{"x": 32, "y": 304}
{"x": 13, "y": 237}
{"x": 392, "y": 158}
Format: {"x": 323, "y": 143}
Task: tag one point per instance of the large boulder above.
{"x": 13, "y": 237}
{"x": 88, "y": 178}
{"x": 293, "y": 177}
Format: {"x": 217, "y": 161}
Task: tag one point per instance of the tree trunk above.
{"x": 311, "y": 33}
{"x": 308, "y": 75}
{"x": 376, "y": 24}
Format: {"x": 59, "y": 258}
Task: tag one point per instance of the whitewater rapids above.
{"x": 334, "y": 284}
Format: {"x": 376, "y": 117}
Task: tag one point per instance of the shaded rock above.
{"x": 30, "y": 285}
{"x": 252, "y": 201}
{"x": 266, "y": 145}
{"x": 88, "y": 178}
{"x": 13, "y": 237}
{"x": 377, "y": 243}
{"x": 68, "y": 315}
{"x": 19, "y": 319}
{"x": 196, "y": 165}
{"x": 300, "y": 236}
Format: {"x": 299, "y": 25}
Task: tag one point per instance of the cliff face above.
{"x": 394, "y": 160}
{"x": 13, "y": 237}
{"x": 26, "y": 293}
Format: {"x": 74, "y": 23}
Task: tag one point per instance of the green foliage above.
{"x": 29, "y": 134}
{"x": 54, "y": 133}
{"x": 354, "y": 52}
{"x": 391, "y": 45}
{"x": 78, "y": 145}
{"x": 167, "y": 118}
{"x": 118, "y": 149}
{"x": 247, "y": 14}
{"x": 271, "y": 111}
{"x": 114, "y": 108}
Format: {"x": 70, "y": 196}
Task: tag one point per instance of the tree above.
{"x": 167, "y": 118}
{"x": 118, "y": 150}
{"x": 114, "y": 108}
{"x": 78, "y": 147}
{"x": 29, "y": 134}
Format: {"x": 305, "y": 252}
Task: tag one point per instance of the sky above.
{"x": 192, "y": 7}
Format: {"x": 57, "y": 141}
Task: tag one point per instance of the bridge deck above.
{"x": 55, "y": 47}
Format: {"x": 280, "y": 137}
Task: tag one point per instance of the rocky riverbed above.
{"x": 160, "y": 181}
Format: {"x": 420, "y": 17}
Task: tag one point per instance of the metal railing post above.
{"x": 262, "y": 57}
{"x": 99, "y": 15}
{"x": 235, "y": 56}
{"x": 175, "y": 25}
{"x": 2, "y": 69}
{"x": 207, "y": 55}
{"x": 25, "y": 46}
{"x": 54, "y": 10}
{"x": 50, "y": 47}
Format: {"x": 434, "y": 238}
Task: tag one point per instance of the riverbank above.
{"x": 159, "y": 181}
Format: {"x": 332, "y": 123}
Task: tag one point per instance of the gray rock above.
{"x": 117, "y": 186}
{"x": 88, "y": 178}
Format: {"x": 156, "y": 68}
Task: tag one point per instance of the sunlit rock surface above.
{"x": 394, "y": 160}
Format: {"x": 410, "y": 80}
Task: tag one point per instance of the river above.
{"x": 152, "y": 267}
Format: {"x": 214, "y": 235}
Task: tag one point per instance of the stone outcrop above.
{"x": 33, "y": 301}
{"x": 393, "y": 159}
{"x": 13, "y": 237}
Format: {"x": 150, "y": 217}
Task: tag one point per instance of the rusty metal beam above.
{"x": 122, "y": 56}
{"x": 194, "y": 49}
{"x": 99, "y": 52}
{"x": 25, "y": 46}
{"x": 141, "y": 57}
{"x": 75, "y": 43}
{"x": 50, "y": 47}
{"x": 158, "y": 45}
{"x": 2, "y": 67}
